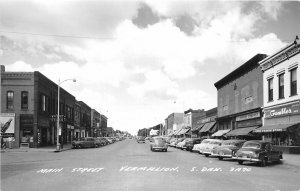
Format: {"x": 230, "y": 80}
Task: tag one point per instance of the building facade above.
{"x": 240, "y": 98}
{"x": 281, "y": 105}
{"x": 206, "y": 124}
{"x": 31, "y": 98}
{"x": 103, "y": 125}
{"x": 95, "y": 121}
{"x": 174, "y": 122}
{"x": 85, "y": 120}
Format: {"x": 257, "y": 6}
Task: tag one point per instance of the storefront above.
{"x": 26, "y": 129}
{"x": 282, "y": 127}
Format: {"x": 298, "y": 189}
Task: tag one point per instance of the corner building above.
{"x": 281, "y": 98}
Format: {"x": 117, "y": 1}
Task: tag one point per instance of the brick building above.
{"x": 240, "y": 98}
{"x": 31, "y": 98}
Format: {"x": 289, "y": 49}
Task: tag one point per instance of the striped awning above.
{"x": 207, "y": 127}
{"x": 198, "y": 127}
{"x": 241, "y": 131}
{"x": 274, "y": 128}
{"x": 220, "y": 133}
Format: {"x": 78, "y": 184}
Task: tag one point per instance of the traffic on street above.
{"x": 129, "y": 165}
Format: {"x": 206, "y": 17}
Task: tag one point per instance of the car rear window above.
{"x": 251, "y": 145}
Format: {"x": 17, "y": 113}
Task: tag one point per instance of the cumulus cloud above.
{"x": 155, "y": 48}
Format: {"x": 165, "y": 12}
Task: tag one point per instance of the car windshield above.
{"x": 229, "y": 143}
{"x": 159, "y": 140}
{"x": 214, "y": 142}
{"x": 252, "y": 145}
{"x": 205, "y": 141}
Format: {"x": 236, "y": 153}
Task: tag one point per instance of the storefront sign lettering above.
{"x": 290, "y": 109}
{"x": 248, "y": 116}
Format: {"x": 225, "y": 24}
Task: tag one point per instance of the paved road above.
{"x": 128, "y": 165}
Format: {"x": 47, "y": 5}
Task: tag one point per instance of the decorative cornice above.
{"x": 281, "y": 56}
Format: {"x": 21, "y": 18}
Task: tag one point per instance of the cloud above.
{"x": 272, "y": 8}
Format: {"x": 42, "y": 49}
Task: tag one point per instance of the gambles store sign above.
{"x": 290, "y": 109}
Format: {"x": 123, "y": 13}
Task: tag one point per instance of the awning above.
{"x": 241, "y": 131}
{"x": 220, "y": 133}
{"x": 207, "y": 127}
{"x": 274, "y": 128}
{"x": 183, "y": 131}
{"x": 177, "y": 132}
{"x": 198, "y": 127}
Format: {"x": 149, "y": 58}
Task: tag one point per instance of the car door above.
{"x": 269, "y": 152}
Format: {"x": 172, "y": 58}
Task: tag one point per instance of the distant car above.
{"x": 86, "y": 142}
{"x": 257, "y": 151}
{"x": 181, "y": 145}
{"x": 159, "y": 143}
{"x": 174, "y": 143}
{"x": 102, "y": 141}
{"x": 213, "y": 143}
{"x": 191, "y": 142}
{"x": 227, "y": 148}
{"x": 109, "y": 140}
{"x": 141, "y": 140}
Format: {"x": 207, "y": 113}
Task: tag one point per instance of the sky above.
{"x": 136, "y": 62}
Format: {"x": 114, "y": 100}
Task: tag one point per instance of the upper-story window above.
{"x": 281, "y": 86}
{"x": 293, "y": 81}
{"x": 24, "y": 100}
{"x": 10, "y": 100}
{"x": 270, "y": 89}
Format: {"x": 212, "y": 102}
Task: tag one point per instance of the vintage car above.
{"x": 227, "y": 148}
{"x": 159, "y": 143}
{"x": 173, "y": 139}
{"x": 210, "y": 146}
{"x": 140, "y": 139}
{"x": 198, "y": 147}
{"x": 191, "y": 142}
{"x": 257, "y": 151}
{"x": 102, "y": 141}
{"x": 182, "y": 145}
{"x": 86, "y": 142}
{"x": 173, "y": 144}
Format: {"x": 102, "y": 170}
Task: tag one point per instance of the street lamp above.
{"x": 57, "y": 134}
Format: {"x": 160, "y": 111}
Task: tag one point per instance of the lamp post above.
{"x": 57, "y": 133}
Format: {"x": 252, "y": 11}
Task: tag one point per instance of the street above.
{"x": 128, "y": 165}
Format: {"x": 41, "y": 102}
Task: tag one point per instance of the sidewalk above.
{"x": 291, "y": 159}
{"x": 40, "y": 149}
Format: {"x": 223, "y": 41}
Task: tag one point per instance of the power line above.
{"x": 57, "y": 35}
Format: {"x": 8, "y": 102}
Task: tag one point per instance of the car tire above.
{"x": 166, "y": 150}
{"x": 79, "y": 146}
{"x": 220, "y": 158}
{"x": 240, "y": 162}
{"x": 264, "y": 162}
{"x": 206, "y": 155}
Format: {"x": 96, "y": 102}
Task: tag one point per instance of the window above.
{"x": 10, "y": 100}
{"x": 281, "y": 86}
{"x": 270, "y": 89}
{"x": 43, "y": 106}
{"x": 293, "y": 81}
{"x": 24, "y": 100}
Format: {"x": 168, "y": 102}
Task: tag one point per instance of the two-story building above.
{"x": 174, "y": 123}
{"x": 29, "y": 99}
{"x": 240, "y": 98}
{"x": 281, "y": 106}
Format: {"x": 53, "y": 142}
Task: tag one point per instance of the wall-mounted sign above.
{"x": 248, "y": 116}
{"x": 7, "y": 121}
{"x": 290, "y": 109}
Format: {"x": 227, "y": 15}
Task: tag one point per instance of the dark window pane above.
{"x": 10, "y": 100}
{"x": 24, "y": 100}
{"x": 294, "y": 82}
{"x": 281, "y": 86}
{"x": 270, "y": 89}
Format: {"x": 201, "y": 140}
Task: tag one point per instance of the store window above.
{"x": 10, "y": 100}
{"x": 293, "y": 81}
{"x": 281, "y": 86}
{"x": 24, "y": 100}
{"x": 270, "y": 89}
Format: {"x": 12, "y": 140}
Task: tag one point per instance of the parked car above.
{"x": 108, "y": 140}
{"x": 159, "y": 143}
{"x": 257, "y": 151}
{"x": 211, "y": 145}
{"x": 227, "y": 148}
{"x": 181, "y": 145}
{"x": 141, "y": 140}
{"x": 173, "y": 144}
{"x": 85, "y": 142}
{"x": 173, "y": 139}
{"x": 191, "y": 142}
{"x": 198, "y": 147}
{"x": 102, "y": 141}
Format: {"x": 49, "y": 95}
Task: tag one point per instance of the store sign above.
{"x": 206, "y": 120}
{"x": 290, "y": 109}
{"x": 7, "y": 121}
{"x": 248, "y": 116}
